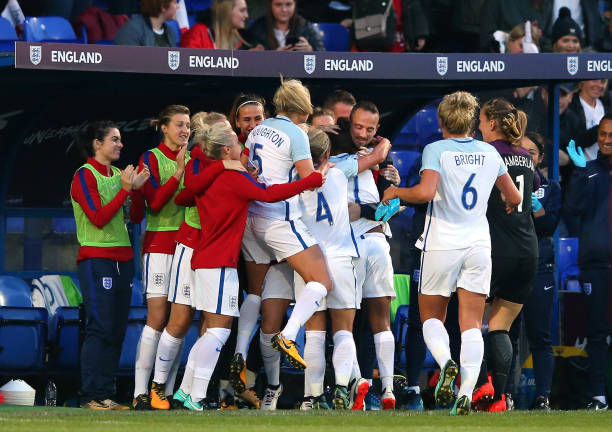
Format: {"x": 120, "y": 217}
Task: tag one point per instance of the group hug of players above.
{"x": 279, "y": 192}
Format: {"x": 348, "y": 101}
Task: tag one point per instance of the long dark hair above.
{"x": 96, "y": 130}
{"x": 294, "y": 22}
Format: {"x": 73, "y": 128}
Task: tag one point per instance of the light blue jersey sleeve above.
{"x": 431, "y": 157}
{"x": 346, "y": 163}
{"x": 502, "y": 166}
{"x": 300, "y": 147}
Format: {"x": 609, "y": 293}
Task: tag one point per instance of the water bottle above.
{"x": 50, "y": 394}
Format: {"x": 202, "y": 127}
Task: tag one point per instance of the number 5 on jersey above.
{"x": 255, "y": 161}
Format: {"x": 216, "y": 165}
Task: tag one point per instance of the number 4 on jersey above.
{"x": 323, "y": 212}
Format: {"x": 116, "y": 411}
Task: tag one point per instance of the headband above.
{"x": 248, "y": 103}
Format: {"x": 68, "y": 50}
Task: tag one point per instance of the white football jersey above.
{"x": 362, "y": 190}
{"x": 325, "y": 213}
{"x": 457, "y": 216}
{"x": 274, "y": 147}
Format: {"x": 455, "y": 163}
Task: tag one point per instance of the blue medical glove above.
{"x": 576, "y": 154}
{"x": 536, "y": 205}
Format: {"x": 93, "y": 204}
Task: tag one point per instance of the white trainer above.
{"x": 270, "y": 398}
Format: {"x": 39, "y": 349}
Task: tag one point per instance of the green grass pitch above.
{"x": 76, "y": 419}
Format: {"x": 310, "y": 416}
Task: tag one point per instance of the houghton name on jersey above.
{"x": 456, "y": 217}
{"x": 275, "y": 145}
{"x": 362, "y": 190}
{"x": 325, "y": 213}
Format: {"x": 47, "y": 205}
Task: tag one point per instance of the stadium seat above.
{"x": 65, "y": 346}
{"x": 23, "y": 335}
{"x": 192, "y": 18}
{"x": 191, "y": 337}
{"x": 49, "y": 29}
{"x": 177, "y": 30}
{"x": 568, "y": 264}
{"x": 428, "y": 126}
{"x": 64, "y": 225}
{"x": 400, "y": 327}
{"x": 197, "y": 5}
{"x": 8, "y": 36}
{"x": 403, "y": 160}
{"x": 136, "y": 321}
{"x": 335, "y": 37}
{"x": 15, "y": 224}
{"x": 137, "y": 293}
{"x": 14, "y": 292}
{"x": 105, "y": 42}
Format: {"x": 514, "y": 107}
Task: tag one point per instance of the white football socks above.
{"x": 343, "y": 357}
{"x": 145, "y": 359}
{"x": 206, "y": 359}
{"x": 306, "y": 305}
{"x": 314, "y": 356}
{"x": 384, "y": 343}
{"x": 249, "y": 312}
{"x": 167, "y": 350}
{"x": 436, "y": 339}
{"x": 472, "y": 350}
{"x": 270, "y": 358}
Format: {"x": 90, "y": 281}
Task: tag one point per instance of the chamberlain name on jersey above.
{"x": 361, "y": 190}
{"x": 325, "y": 213}
{"x": 456, "y": 217}
{"x": 275, "y": 145}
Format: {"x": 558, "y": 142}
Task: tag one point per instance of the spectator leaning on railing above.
{"x": 588, "y": 197}
{"x": 150, "y": 28}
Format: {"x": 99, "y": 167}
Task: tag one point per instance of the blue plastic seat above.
{"x": 403, "y": 160}
{"x": 49, "y": 29}
{"x": 136, "y": 321}
{"x": 335, "y": 37}
{"x": 197, "y": 5}
{"x": 137, "y": 293}
{"x": 23, "y": 335}
{"x": 8, "y": 35}
{"x": 568, "y": 264}
{"x": 64, "y": 225}
{"x": 174, "y": 25}
{"x": 66, "y": 342}
{"x": 428, "y": 126}
{"x": 14, "y": 292}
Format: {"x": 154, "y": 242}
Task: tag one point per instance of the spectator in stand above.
{"x": 504, "y": 15}
{"x": 283, "y": 29}
{"x": 463, "y": 33}
{"x": 219, "y": 27}
{"x": 340, "y": 103}
{"x": 587, "y": 15}
{"x": 150, "y": 28}
{"x": 412, "y": 27}
{"x": 590, "y": 106}
{"x": 566, "y": 33}
{"x": 588, "y": 197}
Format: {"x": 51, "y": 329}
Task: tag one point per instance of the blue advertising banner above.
{"x": 434, "y": 67}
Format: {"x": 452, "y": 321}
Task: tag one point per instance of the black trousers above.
{"x": 106, "y": 287}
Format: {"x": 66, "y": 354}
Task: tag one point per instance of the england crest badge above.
{"x": 107, "y": 282}
{"x": 572, "y": 65}
{"x": 174, "y": 59}
{"x": 310, "y": 63}
{"x": 442, "y": 65}
{"x": 35, "y": 54}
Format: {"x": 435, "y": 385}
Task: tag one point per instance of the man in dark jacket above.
{"x": 588, "y": 196}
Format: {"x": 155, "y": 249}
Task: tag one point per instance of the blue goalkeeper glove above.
{"x": 536, "y": 205}
{"x": 576, "y": 154}
{"x": 385, "y": 212}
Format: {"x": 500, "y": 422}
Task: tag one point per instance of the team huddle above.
{"x": 301, "y": 215}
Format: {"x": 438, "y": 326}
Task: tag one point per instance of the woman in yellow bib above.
{"x": 105, "y": 268}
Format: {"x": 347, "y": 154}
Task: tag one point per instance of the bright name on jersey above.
{"x": 75, "y": 57}
{"x": 210, "y": 62}
{"x": 348, "y": 65}
{"x": 517, "y": 160}
{"x": 469, "y": 159}
{"x": 480, "y": 66}
{"x": 270, "y": 134}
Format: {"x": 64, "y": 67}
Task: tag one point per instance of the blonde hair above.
{"x": 319, "y": 144}
{"x": 457, "y": 112}
{"x": 292, "y": 97}
{"x": 226, "y": 35}
{"x": 202, "y": 117}
{"x": 510, "y": 121}
{"x": 518, "y": 32}
{"x": 212, "y": 137}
